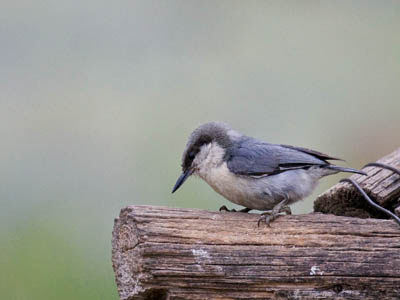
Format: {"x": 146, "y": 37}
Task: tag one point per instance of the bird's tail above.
{"x": 343, "y": 169}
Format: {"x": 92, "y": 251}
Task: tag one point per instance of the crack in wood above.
{"x": 301, "y": 257}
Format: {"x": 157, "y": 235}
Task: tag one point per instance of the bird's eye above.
{"x": 192, "y": 154}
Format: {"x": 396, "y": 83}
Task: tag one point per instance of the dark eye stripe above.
{"x": 192, "y": 154}
{"x": 195, "y": 148}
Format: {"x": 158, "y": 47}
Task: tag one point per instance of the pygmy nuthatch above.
{"x": 253, "y": 173}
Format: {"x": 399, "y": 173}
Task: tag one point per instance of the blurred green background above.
{"x": 97, "y": 99}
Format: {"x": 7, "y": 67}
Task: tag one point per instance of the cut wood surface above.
{"x": 382, "y": 185}
{"x": 170, "y": 253}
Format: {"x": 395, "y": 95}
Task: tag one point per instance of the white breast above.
{"x": 256, "y": 193}
{"x": 240, "y": 190}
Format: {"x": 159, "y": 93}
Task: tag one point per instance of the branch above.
{"x": 169, "y": 253}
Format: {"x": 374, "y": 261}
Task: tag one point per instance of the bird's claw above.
{"x": 286, "y": 209}
{"x": 271, "y": 215}
{"x": 224, "y": 208}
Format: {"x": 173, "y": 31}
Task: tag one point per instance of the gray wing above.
{"x": 253, "y": 157}
{"x": 312, "y": 152}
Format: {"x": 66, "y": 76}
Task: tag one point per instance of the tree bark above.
{"x": 382, "y": 185}
{"x": 169, "y": 253}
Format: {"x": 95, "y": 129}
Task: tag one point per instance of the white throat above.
{"x": 209, "y": 157}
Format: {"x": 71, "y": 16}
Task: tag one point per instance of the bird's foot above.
{"x": 271, "y": 215}
{"x": 224, "y": 208}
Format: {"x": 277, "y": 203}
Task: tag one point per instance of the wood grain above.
{"x": 170, "y": 253}
{"x": 382, "y": 185}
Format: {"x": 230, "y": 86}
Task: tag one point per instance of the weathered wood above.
{"x": 169, "y": 253}
{"x": 382, "y": 185}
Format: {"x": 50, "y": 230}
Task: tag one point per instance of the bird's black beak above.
{"x": 185, "y": 175}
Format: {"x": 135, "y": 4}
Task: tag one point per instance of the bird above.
{"x": 253, "y": 173}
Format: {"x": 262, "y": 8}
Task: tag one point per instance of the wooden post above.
{"x": 382, "y": 185}
{"x": 168, "y": 253}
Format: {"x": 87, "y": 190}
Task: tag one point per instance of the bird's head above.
{"x": 199, "y": 146}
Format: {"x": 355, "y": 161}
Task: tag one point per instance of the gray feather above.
{"x": 345, "y": 169}
{"x": 317, "y": 154}
{"x": 253, "y": 157}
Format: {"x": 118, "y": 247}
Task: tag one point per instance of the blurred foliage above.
{"x": 38, "y": 262}
{"x": 98, "y": 98}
